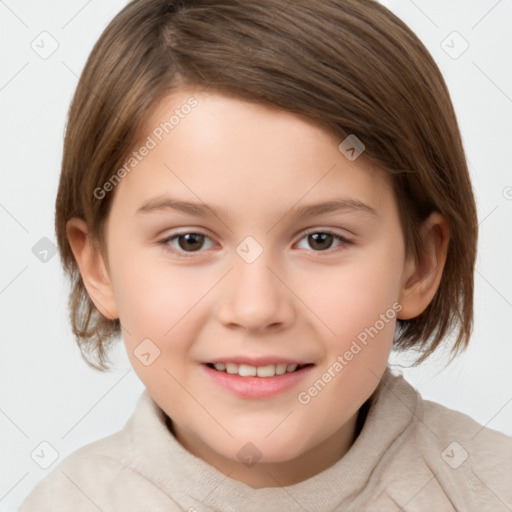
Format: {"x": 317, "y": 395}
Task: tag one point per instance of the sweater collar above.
{"x": 159, "y": 457}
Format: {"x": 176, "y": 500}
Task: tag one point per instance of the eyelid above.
{"x": 331, "y": 231}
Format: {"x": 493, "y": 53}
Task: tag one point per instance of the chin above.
{"x": 269, "y": 451}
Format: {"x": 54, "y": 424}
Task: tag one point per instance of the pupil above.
{"x": 194, "y": 241}
{"x": 318, "y": 238}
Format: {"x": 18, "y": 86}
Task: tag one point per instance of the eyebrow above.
{"x": 161, "y": 203}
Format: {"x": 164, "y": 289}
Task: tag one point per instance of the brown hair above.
{"x": 350, "y": 65}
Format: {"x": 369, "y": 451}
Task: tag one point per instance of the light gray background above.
{"x": 47, "y": 393}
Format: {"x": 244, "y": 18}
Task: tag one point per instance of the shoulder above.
{"x": 74, "y": 482}
{"x": 465, "y": 461}
{"x": 103, "y": 475}
{"x": 449, "y": 422}
{"x": 462, "y": 439}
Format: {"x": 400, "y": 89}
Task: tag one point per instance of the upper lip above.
{"x": 257, "y": 361}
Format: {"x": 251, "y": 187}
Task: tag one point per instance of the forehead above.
{"x": 210, "y": 147}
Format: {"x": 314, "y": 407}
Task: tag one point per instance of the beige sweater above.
{"x": 411, "y": 455}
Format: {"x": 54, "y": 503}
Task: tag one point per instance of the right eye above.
{"x": 186, "y": 243}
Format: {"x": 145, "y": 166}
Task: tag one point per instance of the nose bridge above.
{"x": 254, "y": 278}
{"x": 256, "y": 298}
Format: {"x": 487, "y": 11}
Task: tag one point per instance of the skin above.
{"x": 295, "y": 300}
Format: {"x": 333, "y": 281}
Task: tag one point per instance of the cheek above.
{"x": 359, "y": 305}
{"x": 155, "y": 299}
{"x": 159, "y": 305}
{"x": 354, "y": 296}
{"x": 358, "y": 302}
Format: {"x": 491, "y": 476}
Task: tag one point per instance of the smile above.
{"x": 257, "y": 382}
{"x": 246, "y": 370}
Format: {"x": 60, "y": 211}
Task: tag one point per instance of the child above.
{"x": 308, "y": 155}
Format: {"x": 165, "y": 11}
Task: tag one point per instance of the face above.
{"x": 253, "y": 274}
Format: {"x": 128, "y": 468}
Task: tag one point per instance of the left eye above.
{"x": 322, "y": 240}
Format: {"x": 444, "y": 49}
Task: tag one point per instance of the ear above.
{"x": 92, "y": 268}
{"x": 422, "y": 277}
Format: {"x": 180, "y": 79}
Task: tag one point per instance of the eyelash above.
{"x": 181, "y": 254}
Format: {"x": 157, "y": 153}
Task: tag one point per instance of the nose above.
{"x": 255, "y": 297}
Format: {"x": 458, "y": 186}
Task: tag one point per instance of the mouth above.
{"x": 264, "y": 381}
{"x": 267, "y": 371}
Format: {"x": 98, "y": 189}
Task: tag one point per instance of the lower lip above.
{"x": 257, "y": 387}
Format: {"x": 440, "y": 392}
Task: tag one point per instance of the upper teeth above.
{"x": 245, "y": 370}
